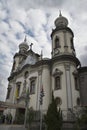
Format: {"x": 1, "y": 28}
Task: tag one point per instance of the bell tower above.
{"x": 62, "y": 38}
{"x": 64, "y": 65}
{"x": 21, "y": 55}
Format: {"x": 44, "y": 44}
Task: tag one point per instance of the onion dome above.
{"x": 23, "y": 46}
{"x": 61, "y": 21}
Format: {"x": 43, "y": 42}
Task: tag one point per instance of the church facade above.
{"x": 60, "y": 74}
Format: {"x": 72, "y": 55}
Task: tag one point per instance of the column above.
{"x": 68, "y": 86}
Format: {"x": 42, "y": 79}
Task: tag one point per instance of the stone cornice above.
{"x": 61, "y": 28}
{"x": 66, "y": 58}
{"x": 48, "y": 62}
{"x": 37, "y": 64}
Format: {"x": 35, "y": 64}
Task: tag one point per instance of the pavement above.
{"x": 12, "y": 127}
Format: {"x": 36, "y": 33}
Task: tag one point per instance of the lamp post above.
{"x": 27, "y": 98}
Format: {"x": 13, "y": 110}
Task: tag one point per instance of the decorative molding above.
{"x": 40, "y": 72}
{"x": 57, "y": 72}
{"x": 56, "y": 51}
{"x": 48, "y": 62}
{"x": 18, "y": 83}
{"x": 63, "y": 29}
{"x": 75, "y": 73}
{"x": 67, "y": 66}
{"x": 32, "y": 78}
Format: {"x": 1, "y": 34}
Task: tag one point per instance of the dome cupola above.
{"x": 61, "y": 21}
{"x": 23, "y": 46}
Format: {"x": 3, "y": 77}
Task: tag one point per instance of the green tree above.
{"x": 53, "y": 118}
{"x": 81, "y": 119}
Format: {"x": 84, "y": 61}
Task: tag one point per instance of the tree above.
{"x": 53, "y": 118}
{"x": 82, "y": 120}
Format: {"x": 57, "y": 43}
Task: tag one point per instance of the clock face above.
{"x": 56, "y": 51}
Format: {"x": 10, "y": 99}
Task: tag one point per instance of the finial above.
{"x": 31, "y": 46}
{"x": 25, "y": 39}
{"x": 60, "y": 13}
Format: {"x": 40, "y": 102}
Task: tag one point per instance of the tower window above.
{"x": 57, "y": 45}
{"x": 32, "y": 87}
{"x": 72, "y": 45}
{"x": 57, "y": 83}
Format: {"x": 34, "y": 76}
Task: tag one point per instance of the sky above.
{"x": 35, "y": 19}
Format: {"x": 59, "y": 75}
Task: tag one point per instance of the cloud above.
{"x": 3, "y": 83}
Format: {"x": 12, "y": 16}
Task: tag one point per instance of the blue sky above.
{"x": 35, "y": 18}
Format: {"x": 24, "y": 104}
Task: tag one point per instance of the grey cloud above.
{"x": 3, "y": 84}
{"x": 37, "y": 3}
{"x": 85, "y": 48}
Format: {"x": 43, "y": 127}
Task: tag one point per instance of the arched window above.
{"x": 57, "y": 83}
{"x": 57, "y": 45}
{"x": 58, "y": 101}
{"x": 57, "y": 79}
{"x": 32, "y": 85}
{"x": 72, "y": 45}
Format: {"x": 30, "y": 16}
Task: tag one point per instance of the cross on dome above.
{"x": 31, "y": 46}
{"x": 25, "y": 39}
{"x": 60, "y": 14}
{"x": 61, "y": 21}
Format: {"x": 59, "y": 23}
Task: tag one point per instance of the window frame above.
{"x": 57, "y": 82}
{"x": 58, "y": 101}
{"x": 32, "y": 85}
{"x": 57, "y": 42}
{"x": 57, "y": 75}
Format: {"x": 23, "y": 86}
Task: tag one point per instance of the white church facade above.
{"x": 31, "y": 72}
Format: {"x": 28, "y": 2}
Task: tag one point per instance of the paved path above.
{"x": 12, "y": 127}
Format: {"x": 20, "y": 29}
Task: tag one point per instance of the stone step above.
{"x": 12, "y": 127}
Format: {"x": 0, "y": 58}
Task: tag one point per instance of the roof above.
{"x": 82, "y": 69}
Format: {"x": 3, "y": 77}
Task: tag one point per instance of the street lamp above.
{"x": 27, "y": 98}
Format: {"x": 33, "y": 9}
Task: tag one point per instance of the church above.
{"x": 61, "y": 74}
